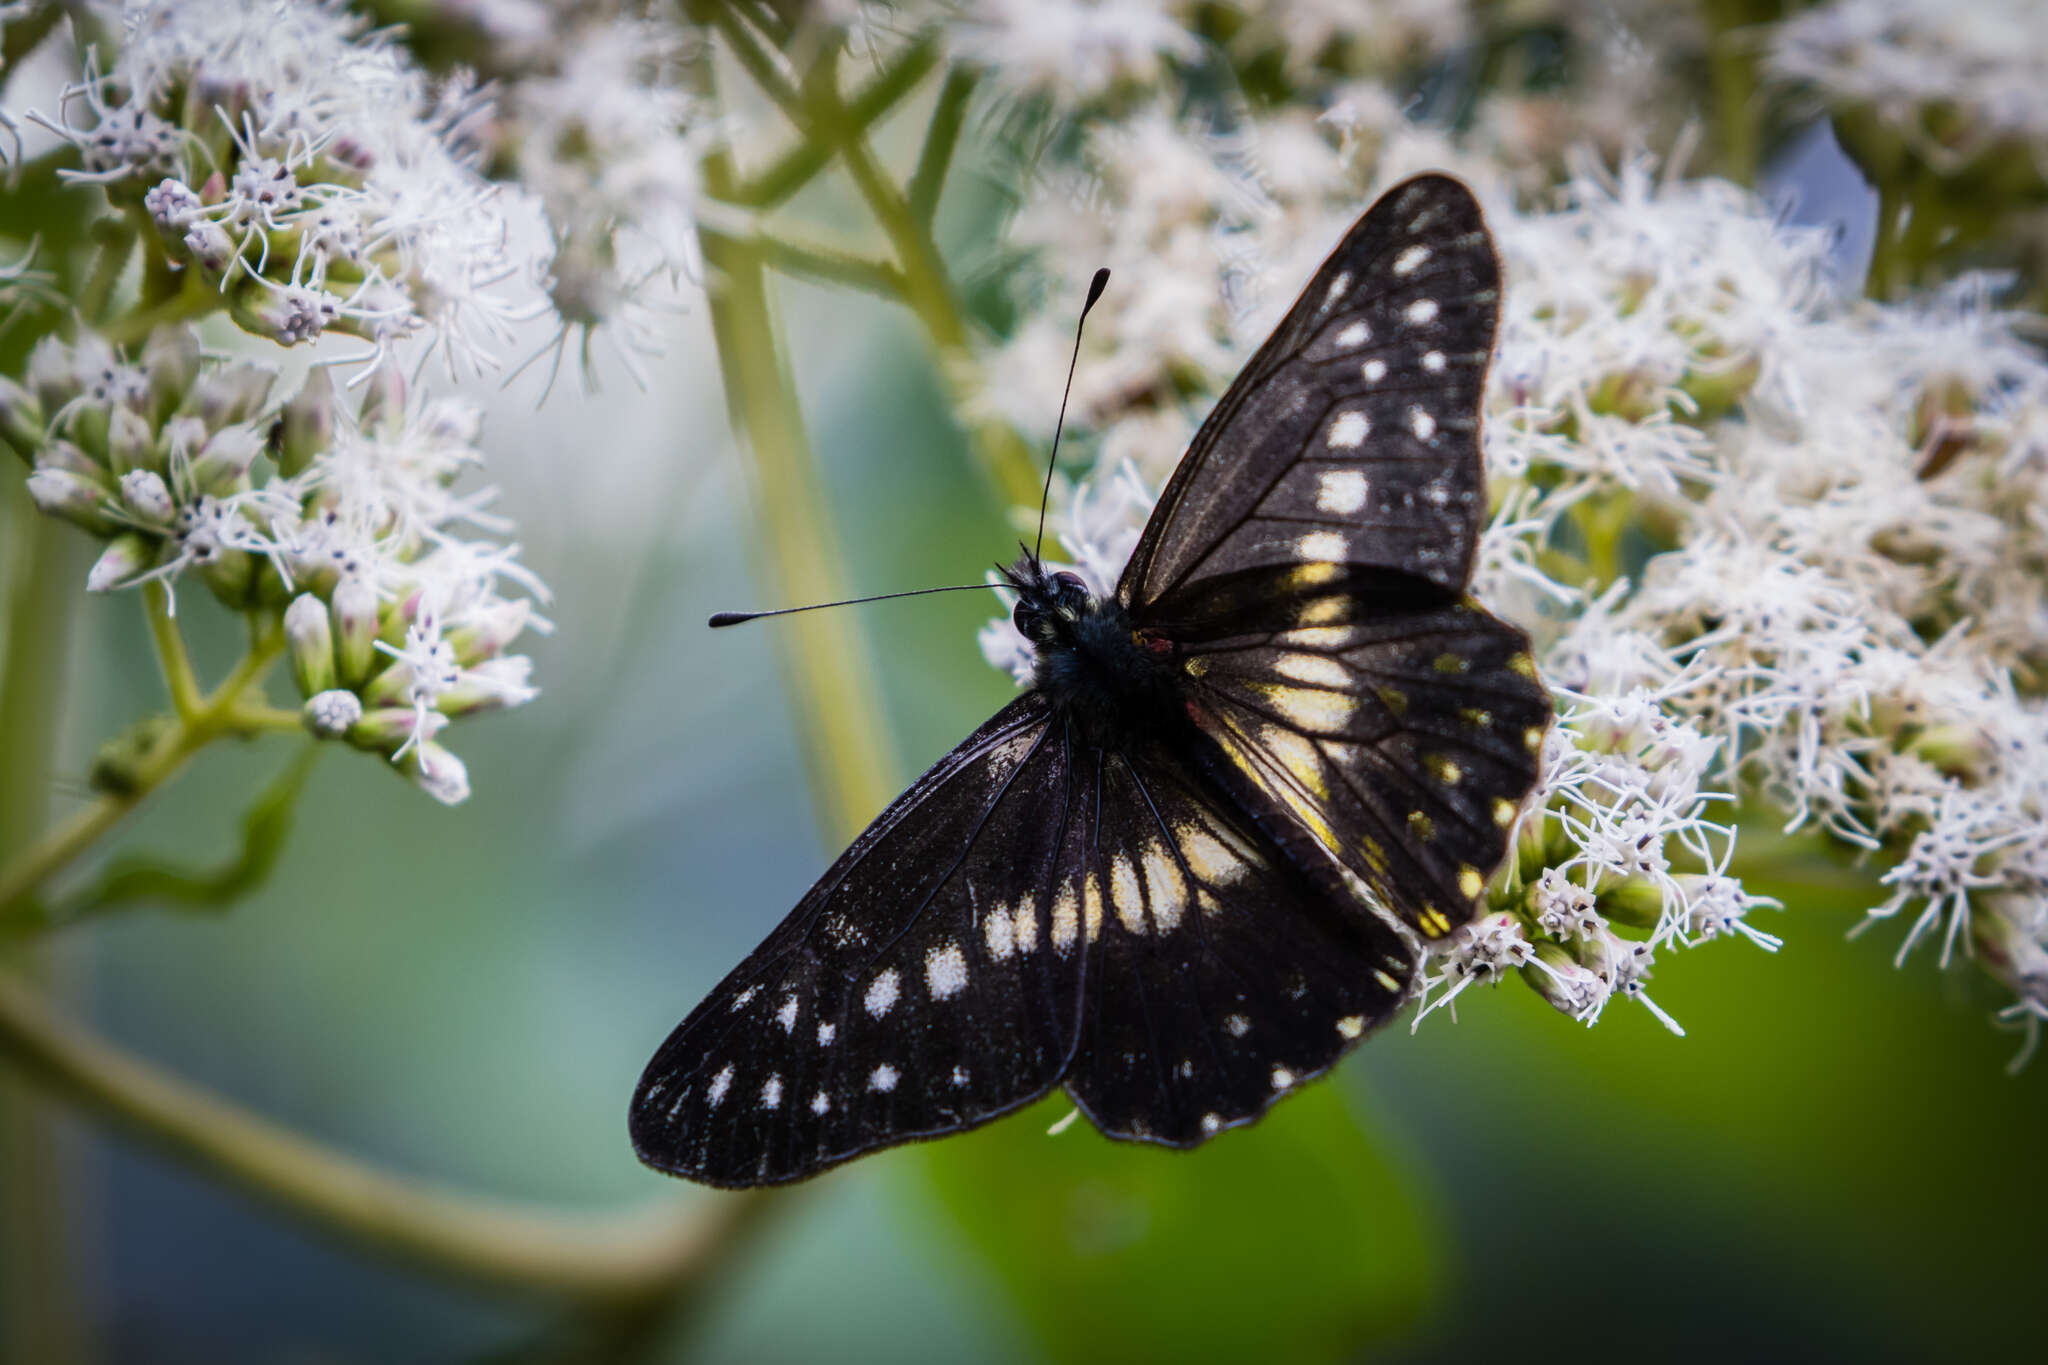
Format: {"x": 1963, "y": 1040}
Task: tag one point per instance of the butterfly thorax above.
{"x": 1091, "y": 663}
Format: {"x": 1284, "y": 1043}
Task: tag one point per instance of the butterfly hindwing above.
{"x": 924, "y": 985}
{"x": 1399, "y": 741}
{"x": 1221, "y": 976}
{"x": 1352, "y": 437}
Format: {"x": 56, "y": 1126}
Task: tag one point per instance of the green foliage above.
{"x": 1299, "y": 1238}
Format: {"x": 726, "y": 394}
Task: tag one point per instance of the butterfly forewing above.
{"x": 1352, "y": 438}
{"x": 1221, "y": 976}
{"x": 1399, "y": 741}
{"x": 926, "y": 984}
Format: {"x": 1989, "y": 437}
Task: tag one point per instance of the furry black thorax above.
{"x": 1092, "y": 663}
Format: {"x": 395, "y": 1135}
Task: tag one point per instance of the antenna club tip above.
{"x": 1095, "y": 288}
{"x": 727, "y": 618}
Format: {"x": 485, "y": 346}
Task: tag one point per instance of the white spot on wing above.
{"x": 1000, "y": 932}
{"x": 1349, "y": 430}
{"x": 1337, "y": 288}
{"x": 786, "y": 1016}
{"x": 1374, "y": 370}
{"x": 1352, "y": 1025}
{"x": 771, "y": 1092}
{"x": 720, "y": 1083}
{"x": 825, "y": 1033}
{"x": 1211, "y": 1125}
{"x": 820, "y": 1102}
{"x": 745, "y": 997}
{"x": 1342, "y": 491}
{"x": 1409, "y": 261}
{"x": 883, "y": 1078}
{"x": 1422, "y": 311}
{"x": 1320, "y": 545}
{"x": 1237, "y": 1026}
{"x": 1433, "y": 361}
{"x": 1066, "y": 919}
{"x": 1282, "y": 1078}
{"x": 1026, "y": 918}
{"x": 882, "y": 993}
{"x": 1423, "y": 425}
{"x": 1357, "y": 334}
{"x": 1165, "y": 886}
{"x": 1313, "y": 668}
{"x": 945, "y": 971}
{"x": 1322, "y": 712}
{"x": 1125, "y": 895}
{"x": 959, "y": 1076}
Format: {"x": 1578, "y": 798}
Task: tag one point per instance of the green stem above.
{"x": 928, "y": 291}
{"x": 941, "y": 136}
{"x": 796, "y": 167}
{"x": 821, "y": 263}
{"x": 212, "y": 717}
{"x": 598, "y": 1258}
{"x": 106, "y": 271}
{"x": 171, "y": 654}
{"x": 838, "y": 712}
{"x": 195, "y": 298}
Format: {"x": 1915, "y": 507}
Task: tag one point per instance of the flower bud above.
{"x": 87, "y": 423}
{"x": 72, "y": 496}
{"x": 1635, "y": 901}
{"x": 311, "y": 638}
{"x": 21, "y": 419}
{"x": 171, "y": 204}
{"x": 331, "y": 714}
{"x": 125, "y": 557}
{"x": 384, "y": 728}
{"x": 171, "y": 360}
{"x": 226, "y": 396}
{"x": 62, "y": 454}
{"x": 306, "y": 426}
{"x": 355, "y": 629}
{"x": 491, "y": 685}
{"x": 52, "y": 374}
{"x": 1570, "y": 988}
{"x": 489, "y": 631}
{"x": 131, "y": 444}
{"x": 286, "y": 316}
{"x": 439, "y": 773}
{"x": 209, "y": 246}
{"x": 148, "y": 497}
{"x": 232, "y": 575}
{"x": 225, "y": 458}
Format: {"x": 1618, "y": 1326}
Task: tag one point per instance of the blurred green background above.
{"x": 1832, "y": 1163}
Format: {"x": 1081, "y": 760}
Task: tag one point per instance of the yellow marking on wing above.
{"x": 1443, "y": 769}
{"x": 1322, "y": 610}
{"x": 1312, "y": 668}
{"x": 1196, "y": 665}
{"x": 1449, "y": 663}
{"x": 1421, "y": 826}
{"x": 1297, "y": 753}
{"x": 1322, "y": 712}
{"x": 1387, "y": 979}
{"x": 1474, "y": 717}
{"x": 1522, "y": 664}
{"x": 1470, "y": 882}
{"x": 1393, "y": 698}
{"x": 1352, "y": 1026}
{"x": 1375, "y": 854}
{"x": 1164, "y": 886}
{"x": 1503, "y": 812}
{"x": 1091, "y": 905}
{"x": 1025, "y": 917}
{"x": 1532, "y": 739}
{"x": 1315, "y": 575}
{"x": 1435, "y": 922}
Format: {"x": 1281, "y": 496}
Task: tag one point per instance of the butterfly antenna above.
{"x": 721, "y": 619}
{"x": 1095, "y": 288}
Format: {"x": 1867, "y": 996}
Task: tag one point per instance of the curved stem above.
{"x": 612, "y": 1257}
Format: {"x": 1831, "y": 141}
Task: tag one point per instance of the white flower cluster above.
{"x": 1956, "y": 79}
{"x": 391, "y": 579}
{"x": 305, "y": 169}
{"x": 1769, "y": 545}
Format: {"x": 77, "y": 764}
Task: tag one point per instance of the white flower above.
{"x": 1070, "y": 50}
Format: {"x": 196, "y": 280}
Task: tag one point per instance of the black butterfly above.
{"x": 1184, "y": 871}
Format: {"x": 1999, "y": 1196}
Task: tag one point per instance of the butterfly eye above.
{"x": 1026, "y": 618}
{"x": 1069, "y": 590}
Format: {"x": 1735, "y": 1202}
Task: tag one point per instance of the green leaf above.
{"x": 133, "y": 879}
{"x": 1299, "y": 1238}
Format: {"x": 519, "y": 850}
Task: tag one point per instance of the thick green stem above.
{"x": 597, "y": 1258}
{"x": 941, "y": 136}
{"x": 41, "y": 1318}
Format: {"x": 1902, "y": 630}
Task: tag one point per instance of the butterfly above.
{"x": 1196, "y": 860}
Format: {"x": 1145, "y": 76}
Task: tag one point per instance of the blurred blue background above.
{"x": 1832, "y": 1163}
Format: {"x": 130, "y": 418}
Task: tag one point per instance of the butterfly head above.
{"x": 1049, "y": 605}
